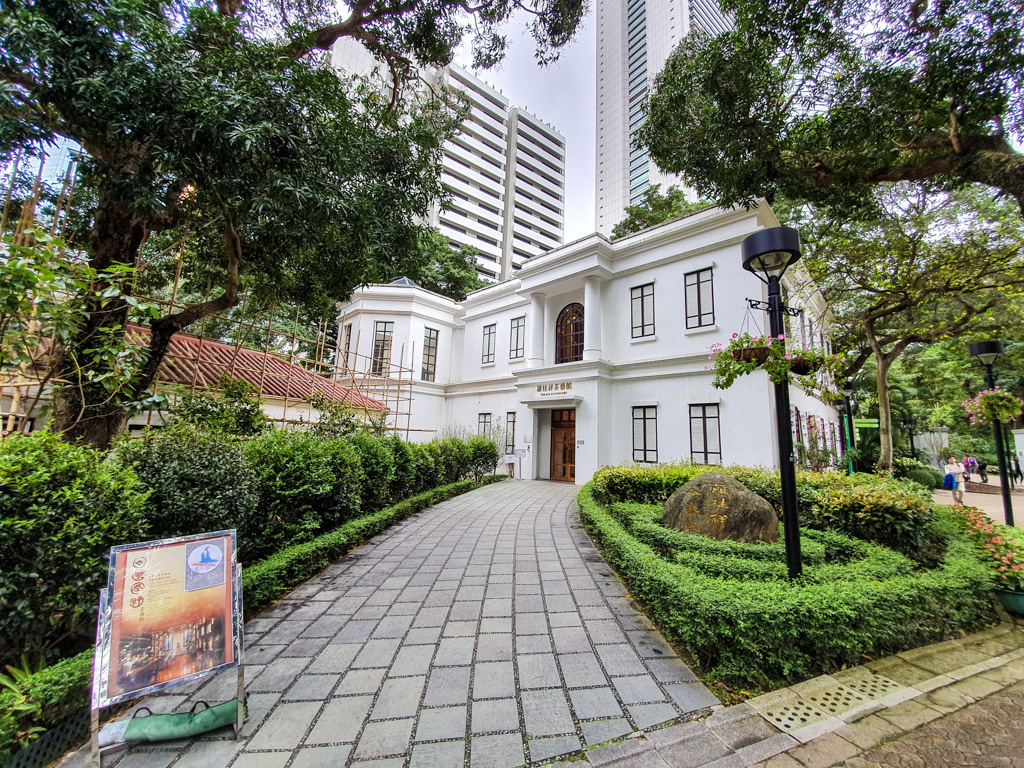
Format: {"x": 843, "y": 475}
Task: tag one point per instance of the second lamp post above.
{"x": 987, "y": 352}
{"x": 767, "y": 253}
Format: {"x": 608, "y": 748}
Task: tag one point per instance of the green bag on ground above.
{"x": 163, "y": 727}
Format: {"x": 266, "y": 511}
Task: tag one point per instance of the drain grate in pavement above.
{"x": 836, "y": 701}
{"x": 874, "y": 687}
{"x": 794, "y": 715}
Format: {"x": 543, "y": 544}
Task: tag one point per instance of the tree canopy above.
{"x": 222, "y": 124}
{"x": 821, "y": 100}
{"x": 655, "y": 208}
{"x": 929, "y": 267}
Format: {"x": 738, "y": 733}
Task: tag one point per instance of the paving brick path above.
{"x": 486, "y": 631}
{"x": 988, "y": 733}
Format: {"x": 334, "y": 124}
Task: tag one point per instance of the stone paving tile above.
{"x": 486, "y": 629}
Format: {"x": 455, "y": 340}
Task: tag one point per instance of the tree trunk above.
{"x": 884, "y": 465}
{"x": 84, "y": 410}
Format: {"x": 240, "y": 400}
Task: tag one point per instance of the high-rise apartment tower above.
{"x": 634, "y": 39}
{"x": 505, "y": 169}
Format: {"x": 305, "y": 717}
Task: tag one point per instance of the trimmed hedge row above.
{"x": 895, "y": 513}
{"x": 63, "y": 689}
{"x": 757, "y": 628}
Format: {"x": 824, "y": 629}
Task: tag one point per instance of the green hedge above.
{"x": 63, "y": 508}
{"x": 745, "y": 623}
{"x": 269, "y": 579}
{"x": 896, "y": 513}
{"x": 58, "y": 692}
{"x": 63, "y": 689}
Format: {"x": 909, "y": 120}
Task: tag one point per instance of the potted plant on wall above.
{"x": 993, "y": 405}
{"x": 745, "y": 354}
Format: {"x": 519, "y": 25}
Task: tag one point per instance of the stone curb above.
{"x": 833, "y": 718}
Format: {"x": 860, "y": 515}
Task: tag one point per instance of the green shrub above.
{"x": 55, "y": 694}
{"x": 428, "y": 465}
{"x": 746, "y": 624}
{"x": 929, "y": 478}
{"x": 483, "y": 455}
{"x": 897, "y": 514}
{"x": 377, "y": 460}
{"x": 454, "y": 459}
{"x": 198, "y": 481}
{"x": 304, "y": 485}
{"x": 234, "y": 408}
{"x": 895, "y": 517}
{"x": 63, "y": 506}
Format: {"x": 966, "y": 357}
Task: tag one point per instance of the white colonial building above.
{"x": 596, "y": 353}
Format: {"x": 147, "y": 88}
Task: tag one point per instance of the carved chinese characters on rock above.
{"x": 721, "y": 507}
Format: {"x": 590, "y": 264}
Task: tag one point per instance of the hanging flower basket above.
{"x": 752, "y": 354}
{"x": 804, "y": 366}
{"x": 745, "y": 354}
{"x": 993, "y": 405}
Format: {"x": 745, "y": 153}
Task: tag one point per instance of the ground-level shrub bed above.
{"x": 896, "y": 513}
{"x": 753, "y": 627}
{"x": 59, "y": 691}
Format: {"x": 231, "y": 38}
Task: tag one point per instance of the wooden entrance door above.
{"x": 563, "y": 445}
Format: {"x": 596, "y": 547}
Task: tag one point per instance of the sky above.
{"x": 564, "y": 95}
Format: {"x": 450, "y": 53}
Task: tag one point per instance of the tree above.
{"x": 929, "y": 267}
{"x": 443, "y": 269}
{"x": 821, "y": 100}
{"x": 224, "y": 123}
{"x": 655, "y": 208}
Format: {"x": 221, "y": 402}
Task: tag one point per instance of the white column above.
{"x": 536, "y": 358}
{"x": 592, "y": 319}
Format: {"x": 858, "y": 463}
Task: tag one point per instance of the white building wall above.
{"x": 669, "y": 370}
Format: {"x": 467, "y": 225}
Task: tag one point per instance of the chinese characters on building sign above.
{"x": 554, "y": 389}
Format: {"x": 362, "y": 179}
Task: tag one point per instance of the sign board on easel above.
{"x": 172, "y": 611}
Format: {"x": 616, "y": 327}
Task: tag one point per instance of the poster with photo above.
{"x": 171, "y": 612}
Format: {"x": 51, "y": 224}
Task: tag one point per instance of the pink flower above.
{"x": 735, "y": 335}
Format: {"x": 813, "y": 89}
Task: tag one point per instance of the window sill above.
{"x": 487, "y": 365}
{"x": 701, "y": 329}
{"x": 644, "y": 339}
{"x": 517, "y": 359}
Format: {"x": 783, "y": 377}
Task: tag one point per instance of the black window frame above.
{"x": 704, "y": 418}
{"x": 517, "y": 338}
{"x": 347, "y": 347}
{"x": 483, "y": 423}
{"x": 647, "y": 415}
{"x": 646, "y": 326}
{"x": 488, "y": 344}
{"x": 382, "y": 338}
{"x": 702, "y": 317}
{"x": 428, "y": 371}
{"x": 510, "y": 431}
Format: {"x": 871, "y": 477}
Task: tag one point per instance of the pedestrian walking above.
{"x": 983, "y": 471}
{"x": 954, "y": 480}
{"x": 966, "y": 464}
{"x": 1016, "y": 469}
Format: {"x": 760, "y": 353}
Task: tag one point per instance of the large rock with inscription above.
{"x": 721, "y": 507}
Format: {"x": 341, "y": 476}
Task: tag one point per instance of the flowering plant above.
{"x": 1001, "y": 554}
{"x": 993, "y": 405}
{"x": 745, "y": 353}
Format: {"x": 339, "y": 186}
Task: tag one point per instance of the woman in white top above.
{"x": 956, "y": 469}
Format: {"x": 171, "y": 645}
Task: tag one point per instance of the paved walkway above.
{"x": 987, "y": 733}
{"x": 486, "y": 631}
{"x": 989, "y": 503}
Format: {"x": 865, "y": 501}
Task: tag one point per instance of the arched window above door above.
{"x": 569, "y": 334}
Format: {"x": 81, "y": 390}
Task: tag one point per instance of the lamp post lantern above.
{"x": 986, "y": 352}
{"x": 767, "y": 254}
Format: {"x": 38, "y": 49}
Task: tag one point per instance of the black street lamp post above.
{"x": 767, "y": 254}
{"x": 987, "y": 352}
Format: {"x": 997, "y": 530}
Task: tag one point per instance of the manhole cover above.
{"x": 873, "y": 687}
{"x": 797, "y": 714}
{"x": 836, "y": 701}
